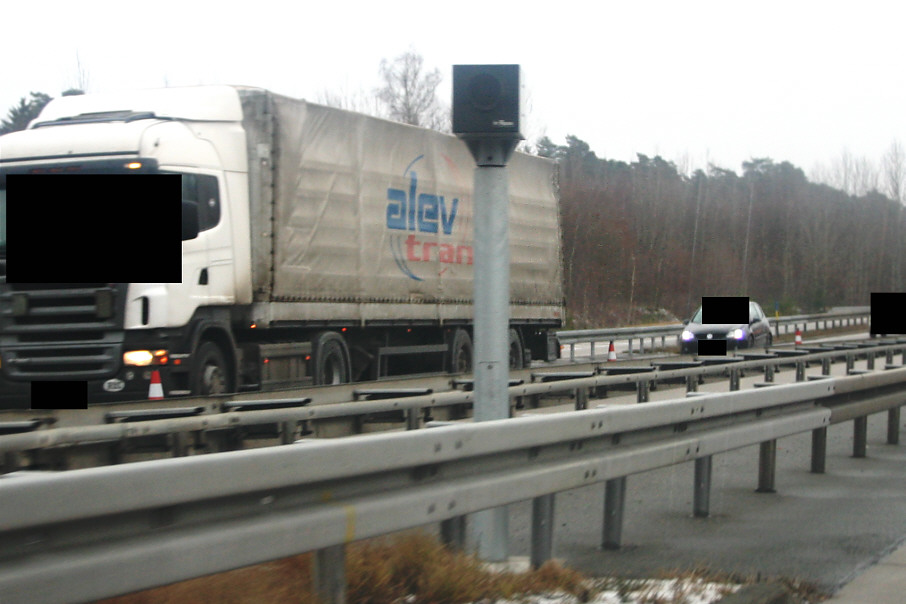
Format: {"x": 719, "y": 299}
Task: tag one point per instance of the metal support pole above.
{"x": 492, "y": 312}
{"x": 860, "y": 436}
{"x": 769, "y": 372}
{"x": 734, "y": 379}
{"x": 819, "y": 450}
{"x": 701, "y": 507}
{"x": 826, "y": 366}
{"x": 850, "y": 362}
{"x": 893, "y": 426}
{"x": 614, "y": 503}
{"x": 800, "y": 371}
{"x": 329, "y": 573}
{"x": 767, "y": 465}
{"x": 870, "y": 360}
{"x": 542, "y": 529}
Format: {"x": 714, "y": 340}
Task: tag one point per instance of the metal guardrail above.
{"x": 94, "y": 533}
{"x": 291, "y": 421}
{"x": 859, "y": 316}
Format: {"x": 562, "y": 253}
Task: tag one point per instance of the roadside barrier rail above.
{"x": 293, "y": 418}
{"x": 93, "y": 533}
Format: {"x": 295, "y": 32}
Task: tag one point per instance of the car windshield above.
{"x": 754, "y": 315}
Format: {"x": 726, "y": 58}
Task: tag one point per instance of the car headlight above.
{"x": 687, "y": 336}
{"x": 737, "y": 334}
{"x": 143, "y": 358}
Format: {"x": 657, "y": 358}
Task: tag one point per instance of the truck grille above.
{"x": 61, "y": 330}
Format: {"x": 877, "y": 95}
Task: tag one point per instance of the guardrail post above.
{"x": 180, "y": 444}
{"x": 642, "y": 391}
{"x": 734, "y": 379}
{"x": 819, "y": 450}
{"x": 769, "y": 370}
{"x": 826, "y": 366}
{"x": 850, "y": 362}
{"x": 329, "y": 572}
{"x": 701, "y": 507}
{"x": 630, "y": 349}
{"x": 572, "y": 352}
{"x": 592, "y": 350}
{"x": 614, "y": 503}
{"x": 800, "y": 371}
{"x": 870, "y": 360}
{"x": 691, "y": 383}
{"x": 893, "y": 426}
{"x": 860, "y": 436}
{"x": 453, "y": 533}
{"x": 412, "y": 418}
{"x": 767, "y": 464}
{"x": 581, "y": 399}
{"x": 542, "y": 529}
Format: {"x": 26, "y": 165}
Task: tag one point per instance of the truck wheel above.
{"x": 211, "y": 374}
{"x": 461, "y": 352}
{"x": 331, "y": 359}
{"x": 516, "y": 350}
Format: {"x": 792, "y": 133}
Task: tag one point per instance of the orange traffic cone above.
{"x": 611, "y": 353}
{"x": 156, "y": 390}
{"x": 798, "y": 337}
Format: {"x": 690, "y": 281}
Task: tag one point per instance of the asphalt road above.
{"x": 820, "y": 528}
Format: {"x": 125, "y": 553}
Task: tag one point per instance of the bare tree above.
{"x": 357, "y": 101}
{"x": 410, "y": 92}
{"x": 83, "y": 79}
{"x": 894, "y": 166}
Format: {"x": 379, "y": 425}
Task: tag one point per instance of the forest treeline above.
{"x": 642, "y": 235}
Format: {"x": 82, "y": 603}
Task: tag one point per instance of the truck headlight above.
{"x": 143, "y": 358}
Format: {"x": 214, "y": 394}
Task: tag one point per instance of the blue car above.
{"x": 756, "y": 333}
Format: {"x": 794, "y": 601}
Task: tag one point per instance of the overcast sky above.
{"x": 695, "y": 81}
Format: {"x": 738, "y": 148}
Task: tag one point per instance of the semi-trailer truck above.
{"x": 331, "y": 247}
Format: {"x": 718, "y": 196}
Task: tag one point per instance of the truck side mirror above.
{"x": 189, "y": 220}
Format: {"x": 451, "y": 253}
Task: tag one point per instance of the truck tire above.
{"x": 211, "y": 373}
{"x": 517, "y": 352}
{"x": 461, "y": 352}
{"x": 331, "y": 359}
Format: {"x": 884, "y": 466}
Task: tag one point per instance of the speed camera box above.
{"x": 486, "y": 100}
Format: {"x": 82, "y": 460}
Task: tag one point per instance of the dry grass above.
{"x": 279, "y": 582}
{"x": 414, "y": 568}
